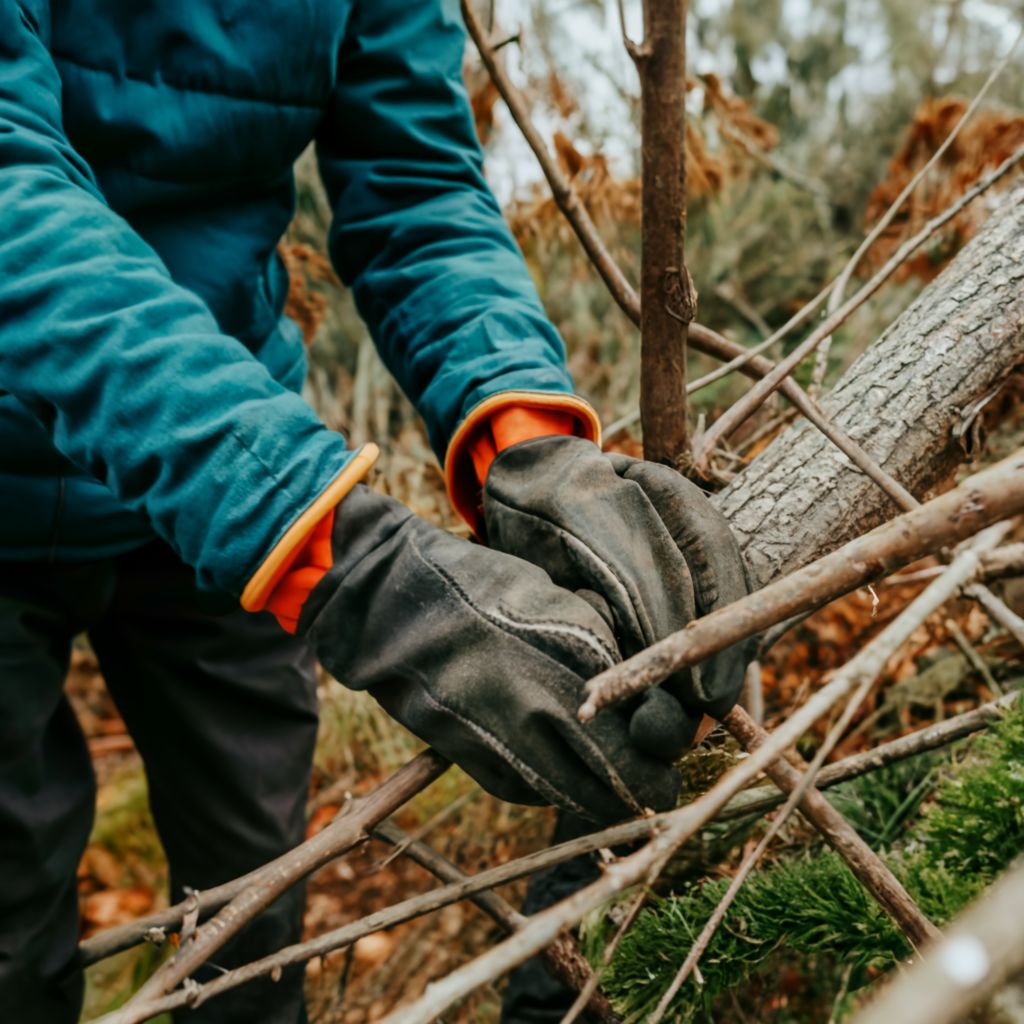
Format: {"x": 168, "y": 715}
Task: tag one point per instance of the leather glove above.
{"x": 647, "y": 541}
{"x": 482, "y": 656}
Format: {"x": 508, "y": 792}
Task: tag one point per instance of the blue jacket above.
{"x": 148, "y": 381}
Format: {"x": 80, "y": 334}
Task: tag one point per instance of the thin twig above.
{"x": 573, "y": 208}
{"x": 838, "y": 290}
{"x": 752, "y": 697}
{"x": 636, "y": 51}
{"x": 279, "y": 875}
{"x": 759, "y": 367}
{"x": 563, "y": 958}
{"x": 971, "y": 654}
{"x": 989, "y": 496}
{"x": 761, "y": 799}
{"x": 678, "y": 825}
{"x": 862, "y": 860}
{"x": 562, "y": 189}
{"x": 675, "y": 828}
{"x": 753, "y": 801}
{"x": 738, "y": 413}
{"x": 425, "y": 829}
{"x": 625, "y": 924}
{"x": 348, "y": 829}
{"x": 866, "y": 865}
{"x": 997, "y": 608}
{"x": 621, "y": 290}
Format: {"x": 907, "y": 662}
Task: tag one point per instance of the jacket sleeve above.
{"x": 417, "y": 233}
{"x": 129, "y": 372}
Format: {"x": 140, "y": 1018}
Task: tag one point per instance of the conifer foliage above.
{"x": 969, "y": 828}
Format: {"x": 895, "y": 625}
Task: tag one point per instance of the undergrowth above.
{"x": 947, "y": 828}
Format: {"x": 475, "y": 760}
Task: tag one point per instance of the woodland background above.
{"x": 805, "y": 120}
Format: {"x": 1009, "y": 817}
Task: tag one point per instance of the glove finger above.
{"x": 717, "y": 570}
{"x": 590, "y": 531}
{"x": 700, "y": 532}
{"x": 633, "y": 779}
{"x": 661, "y": 727}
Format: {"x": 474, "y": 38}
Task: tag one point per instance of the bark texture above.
{"x": 668, "y": 302}
{"x": 910, "y": 401}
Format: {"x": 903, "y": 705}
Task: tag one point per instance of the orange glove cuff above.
{"x": 300, "y": 558}
{"x": 498, "y": 423}
{"x": 311, "y": 563}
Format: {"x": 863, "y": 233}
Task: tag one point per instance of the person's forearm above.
{"x": 128, "y": 371}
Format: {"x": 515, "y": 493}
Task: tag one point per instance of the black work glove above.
{"x": 482, "y": 656}
{"x": 647, "y": 541}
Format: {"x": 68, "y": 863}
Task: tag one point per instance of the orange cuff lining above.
{"x": 498, "y": 423}
{"x": 294, "y": 565}
{"x": 511, "y": 425}
{"x": 312, "y": 561}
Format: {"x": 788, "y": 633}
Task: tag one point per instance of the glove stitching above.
{"x": 635, "y": 602}
{"x": 567, "y": 630}
{"x": 579, "y": 635}
{"x": 536, "y": 781}
{"x": 612, "y": 776}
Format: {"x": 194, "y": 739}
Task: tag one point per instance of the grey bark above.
{"x": 908, "y": 401}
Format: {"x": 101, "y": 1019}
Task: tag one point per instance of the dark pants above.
{"x": 223, "y": 711}
{"x": 534, "y": 995}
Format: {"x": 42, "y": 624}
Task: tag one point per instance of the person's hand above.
{"x": 647, "y": 541}
{"x": 482, "y": 656}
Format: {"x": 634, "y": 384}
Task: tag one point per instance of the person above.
{"x": 166, "y": 490}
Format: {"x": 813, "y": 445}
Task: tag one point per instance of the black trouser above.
{"x": 223, "y": 711}
{"x": 534, "y": 995}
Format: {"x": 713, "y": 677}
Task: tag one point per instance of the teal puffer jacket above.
{"x": 148, "y": 380}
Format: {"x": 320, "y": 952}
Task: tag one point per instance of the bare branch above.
{"x": 991, "y": 495}
{"x": 1008, "y": 619}
{"x": 673, "y": 829}
{"x": 563, "y": 957}
{"x": 757, "y": 366}
{"x": 862, "y": 861}
{"x": 752, "y": 801}
{"x": 702, "y": 338}
{"x": 668, "y": 299}
{"x": 262, "y": 887}
{"x": 562, "y": 189}
{"x": 630, "y": 917}
{"x": 866, "y": 865}
{"x": 679, "y": 825}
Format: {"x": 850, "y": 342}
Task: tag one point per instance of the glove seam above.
{"x": 556, "y": 797}
{"x": 616, "y": 781}
{"x": 503, "y": 623}
{"x": 533, "y": 778}
{"x": 646, "y": 629}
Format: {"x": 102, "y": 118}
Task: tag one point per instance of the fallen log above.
{"x": 914, "y": 401}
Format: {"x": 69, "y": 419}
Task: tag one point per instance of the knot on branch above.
{"x": 680, "y": 295}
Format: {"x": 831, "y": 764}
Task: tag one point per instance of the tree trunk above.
{"x": 911, "y": 400}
